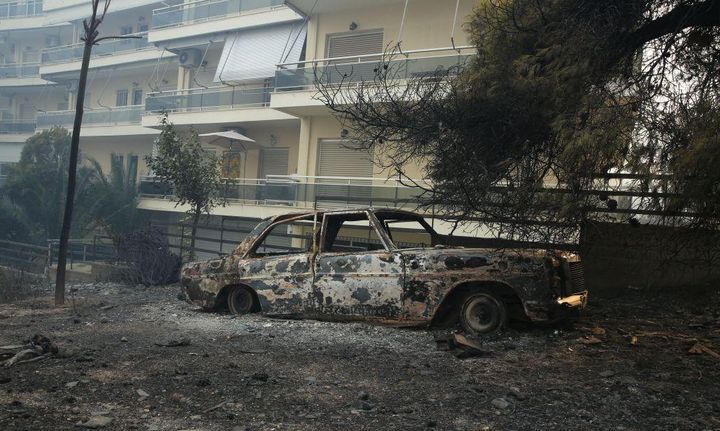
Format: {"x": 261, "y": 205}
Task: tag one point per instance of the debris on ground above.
{"x": 462, "y": 346}
{"x": 175, "y": 343}
{"x": 38, "y": 347}
{"x": 699, "y": 349}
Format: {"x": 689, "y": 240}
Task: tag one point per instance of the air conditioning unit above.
{"x": 190, "y": 58}
{"x": 52, "y": 40}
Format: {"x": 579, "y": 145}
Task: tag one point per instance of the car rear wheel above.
{"x": 483, "y": 313}
{"x": 240, "y": 300}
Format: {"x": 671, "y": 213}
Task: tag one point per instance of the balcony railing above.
{"x": 207, "y": 99}
{"x": 93, "y": 117}
{"x": 21, "y": 70}
{"x": 207, "y": 10}
{"x": 345, "y": 70}
{"x": 306, "y": 192}
{"x": 20, "y": 9}
{"x": 74, "y": 52}
{"x": 17, "y": 126}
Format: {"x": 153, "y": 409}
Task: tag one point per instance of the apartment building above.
{"x": 241, "y": 66}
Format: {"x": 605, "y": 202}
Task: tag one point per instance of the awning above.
{"x": 254, "y": 53}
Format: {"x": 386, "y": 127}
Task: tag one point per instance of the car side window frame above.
{"x": 261, "y": 238}
{"x": 373, "y": 222}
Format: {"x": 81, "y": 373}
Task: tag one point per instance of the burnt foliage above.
{"x": 146, "y": 258}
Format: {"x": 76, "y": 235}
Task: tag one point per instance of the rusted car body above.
{"x": 319, "y": 277}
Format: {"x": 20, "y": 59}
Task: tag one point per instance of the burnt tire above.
{"x": 240, "y": 300}
{"x": 482, "y": 314}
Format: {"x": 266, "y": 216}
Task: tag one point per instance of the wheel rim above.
{"x": 482, "y": 314}
{"x": 240, "y": 301}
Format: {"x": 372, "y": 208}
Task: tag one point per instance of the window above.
{"x": 137, "y": 97}
{"x": 126, "y": 29}
{"x": 121, "y": 98}
{"x": 292, "y": 237}
{"x": 132, "y": 168}
{"x": 355, "y": 43}
{"x": 350, "y": 233}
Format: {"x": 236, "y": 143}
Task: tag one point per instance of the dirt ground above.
{"x": 624, "y": 366}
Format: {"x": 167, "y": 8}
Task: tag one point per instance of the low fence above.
{"x": 24, "y": 257}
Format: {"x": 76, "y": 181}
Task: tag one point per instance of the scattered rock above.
{"x": 96, "y": 422}
{"x": 607, "y": 373}
{"x": 261, "y": 377}
{"x": 517, "y": 393}
{"x": 597, "y": 331}
{"x": 4, "y": 380}
{"x": 71, "y": 384}
{"x": 361, "y": 405}
{"x": 142, "y": 393}
{"x": 590, "y": 340}
{"x": 203, "y": 382}
{"x": 363, "y": 396}
{"x": 124, "y": 340}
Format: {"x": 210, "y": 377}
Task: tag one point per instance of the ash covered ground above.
{"x": 138, "y": 358}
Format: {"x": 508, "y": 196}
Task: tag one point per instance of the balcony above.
{"x": 21, "y": 9}
{"x": 19, "y": 70}
{"x": 198, "y": 17}
{"x": 306, "y": 192}
{"x": 295, "y": 82}
{"x": 299, "y": 76}
{"x": 17, "y": 127}
{"x": 20, "y": 75}
{"x": 92, "y": 117}
{"x": 207, "y": 99}
{"x": 68, "y": 58}
{"x": 74, "y": 52}
{"x": 21, "y": 14}
{"x": 212, "y": 105}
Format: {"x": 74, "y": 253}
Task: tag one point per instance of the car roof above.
{"x": 381, "y": 212}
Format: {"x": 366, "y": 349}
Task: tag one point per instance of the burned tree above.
{"x": 90, "y": 38}
{"x": 564, "y": 109}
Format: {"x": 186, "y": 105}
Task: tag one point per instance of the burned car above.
{"x": 384, "y": 265}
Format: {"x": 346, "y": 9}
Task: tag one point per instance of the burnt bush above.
{"x": 146, "y": 258}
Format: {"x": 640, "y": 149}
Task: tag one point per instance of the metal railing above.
{"x": 21, "y": 8}
{"x": 74, "y": 52}
{"x": 17, "y": 126}
{"x": 306, "y": 192}
{"x": 207, "y": 10}
{"x": 93, "y": 117}
{"x": 410, "y": 64}
{"x": 206, "y": 99}
{"x": 19, "y": 70}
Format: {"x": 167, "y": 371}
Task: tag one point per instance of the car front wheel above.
{"x": 483, "y": 313}
{"x": 240, "y": 300}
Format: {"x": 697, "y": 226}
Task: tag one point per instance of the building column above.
{"x": 304, "y": 146}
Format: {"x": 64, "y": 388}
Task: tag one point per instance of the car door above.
{"x": 358, "y": 274}
{"x": 278, "y": 268}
